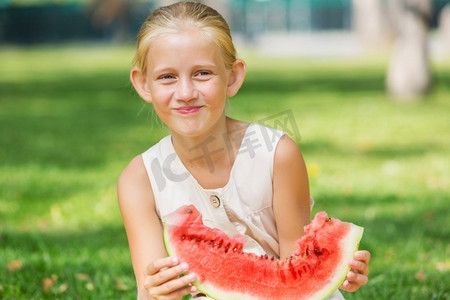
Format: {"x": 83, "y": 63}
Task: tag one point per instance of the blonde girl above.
{"x": 244, "y": 178}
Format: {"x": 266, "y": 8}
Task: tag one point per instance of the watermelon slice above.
{"x": 314, "y": 271}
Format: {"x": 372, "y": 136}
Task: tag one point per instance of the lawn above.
{"x": 70, "y": 122}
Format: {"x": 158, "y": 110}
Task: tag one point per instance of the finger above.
{"x": 349, "y": 287}
{"x": 178, "y": 294}
{"x": 155, "y": 266}
{"x": 359, "y": 267}
{"x": 356, "y": 278}
{"x": 362, "y": 255}
{"x": 175, "y": 286}
{"x": 165, "y": 275}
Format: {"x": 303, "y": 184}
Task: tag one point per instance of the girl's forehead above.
{"x": 187, "y": 31}
{"x": 190, "y": 46}
{"x": 184, "y": 39}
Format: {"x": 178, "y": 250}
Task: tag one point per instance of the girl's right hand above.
{"x": 163, "y": 281}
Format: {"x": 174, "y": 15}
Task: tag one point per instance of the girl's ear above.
{"x": 139, "y": 82}
{"x": 237, "y": 76}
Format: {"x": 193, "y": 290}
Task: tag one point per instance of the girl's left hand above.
{"x": 359, "y": 269}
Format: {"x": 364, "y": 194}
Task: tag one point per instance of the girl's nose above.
{"x": 186, "y": 90}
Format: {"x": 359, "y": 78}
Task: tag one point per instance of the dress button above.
{"x": 215, "y": 201}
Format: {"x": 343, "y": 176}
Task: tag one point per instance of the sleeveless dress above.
{"x": 243, "y": 206}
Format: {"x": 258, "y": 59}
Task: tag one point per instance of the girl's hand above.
{"x": 163, "y": 281}
{"x": 357, "y": 276}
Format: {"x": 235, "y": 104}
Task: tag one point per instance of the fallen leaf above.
{"x": 62, "y": 288}
{"x": 120, "y": 285}
{"x": 15, "y": 265}
{"x": 365, "y": 145}
{"x": 82, "y": 276}
{"x": 1, "y": 287}
{"x": 421, "y": 276}
{"x": 47, "y": 284}
{"x": 443, "y": 266}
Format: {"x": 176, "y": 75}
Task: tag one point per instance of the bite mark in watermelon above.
{"x": 314, "y": 271}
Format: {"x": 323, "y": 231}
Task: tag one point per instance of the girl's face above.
{"x": 187, "y": 82}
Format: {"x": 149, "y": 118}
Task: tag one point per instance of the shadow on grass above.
{"x": 75, "y": 121}
{"x": 382, "y": 152}
{"x": 264, "y": 82}
{"x": 335, "y": 80}
{"x": 94, "y": 264}
{"x": 392, "y": 219}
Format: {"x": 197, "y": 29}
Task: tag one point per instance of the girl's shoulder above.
{"x": 133, "y": 183}
{"x": 288, "y": 154}
{"x": 134, "y": 170}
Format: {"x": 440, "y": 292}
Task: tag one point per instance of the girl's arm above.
{"x": 291, "y": 202}
{"x": 291, "y": 206}
{"x": 156, "y": 274}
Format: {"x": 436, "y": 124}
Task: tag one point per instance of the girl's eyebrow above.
{"x": 164, "y": 69}
{"x": 205, "y": 65}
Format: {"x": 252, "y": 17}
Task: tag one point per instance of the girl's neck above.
{"x": 212, "y": 153}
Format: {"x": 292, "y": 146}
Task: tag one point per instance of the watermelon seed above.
{"x": 317, "y": 251}
{"x": 189, "y": 211}
{"x": 226, "y": 249}
{"x": 183, "y": 237}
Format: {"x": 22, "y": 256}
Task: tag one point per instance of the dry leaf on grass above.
{"x": 15, "y": 265}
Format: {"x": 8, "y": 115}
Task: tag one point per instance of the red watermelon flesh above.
{"x": 314, "y": 271}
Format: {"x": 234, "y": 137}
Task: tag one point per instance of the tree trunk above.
{"x": 372, "y": 24}
{"x": 408, "y": 75}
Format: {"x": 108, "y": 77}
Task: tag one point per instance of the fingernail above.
{"x": 184, "y": 266}
{"x": 192, "y": 276}
{"x": 174, "y": 260}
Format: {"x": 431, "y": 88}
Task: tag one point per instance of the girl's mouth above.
{"x": 188, "y": 109}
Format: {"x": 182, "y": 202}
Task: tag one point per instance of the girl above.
{"x": 244, "y": 178}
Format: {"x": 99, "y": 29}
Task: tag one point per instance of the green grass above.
{"x": 70, "y": 122}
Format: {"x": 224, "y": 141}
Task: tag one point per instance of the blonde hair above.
{"x": 171, "y": 18}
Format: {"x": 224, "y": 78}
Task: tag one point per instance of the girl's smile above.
{"x": 185, "y": 110}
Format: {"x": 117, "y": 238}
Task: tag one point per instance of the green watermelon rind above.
{"x": 349, "y": 245}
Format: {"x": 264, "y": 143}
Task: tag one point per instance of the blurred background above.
{"x": 42, "y": 21}
{"x": 373, "y": 23}
{"x": 412, "y": 30}
{"x": 364, "y": 85}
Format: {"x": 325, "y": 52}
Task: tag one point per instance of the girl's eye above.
{"x": 203, "y": 73}
{"x": 166, "y": 77}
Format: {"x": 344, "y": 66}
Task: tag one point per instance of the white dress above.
{"x": 243, "y": 206}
